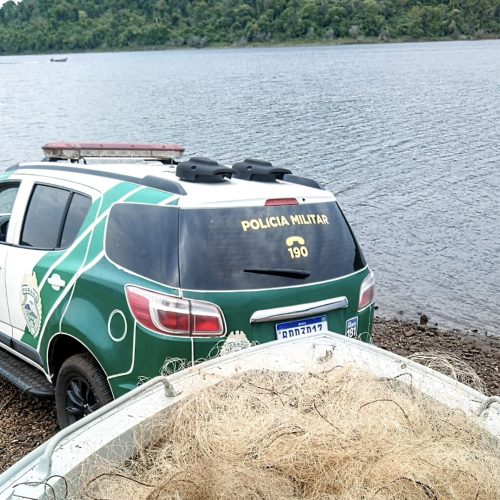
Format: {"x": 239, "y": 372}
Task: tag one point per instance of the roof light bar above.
{"x": 77, "y": 151}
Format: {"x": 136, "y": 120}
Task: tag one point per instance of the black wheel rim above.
{"x": 80, "y": 399}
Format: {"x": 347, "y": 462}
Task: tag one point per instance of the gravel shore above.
{"x": 27, "y": 422}
{"x": 480, "y": 352}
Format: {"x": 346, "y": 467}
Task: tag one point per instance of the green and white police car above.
{"x": 117, "y": 258}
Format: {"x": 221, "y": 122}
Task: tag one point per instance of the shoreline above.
{"x": 27, "y": 421}
{"x": 480, "y": 351}
{"x": 258, "y": 45}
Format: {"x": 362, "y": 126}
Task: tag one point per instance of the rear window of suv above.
{"x": 263, "y": 247}
{"x": 236, "y": 248}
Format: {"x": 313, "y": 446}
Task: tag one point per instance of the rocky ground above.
{"x": 27, "y": 422}
{"x": 480, "y": 352}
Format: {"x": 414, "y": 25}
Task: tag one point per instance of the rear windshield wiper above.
{"x": 287, "y": 273}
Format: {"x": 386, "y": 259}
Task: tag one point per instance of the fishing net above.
{"x": 452, "y": 366}
{"x": 337, "y": 434}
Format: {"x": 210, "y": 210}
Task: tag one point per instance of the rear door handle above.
{"x": 56, "y": 282}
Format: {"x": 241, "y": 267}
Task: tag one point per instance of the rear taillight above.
{"x": 367, "y": 292}
{"x": 172, "y": 315}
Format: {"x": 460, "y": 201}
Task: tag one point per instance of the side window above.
{"x": 53, "y": 217}
{"x": 78, "y": 210}
{"x": 8, "y": 193}
{"x": 145, "y": 240}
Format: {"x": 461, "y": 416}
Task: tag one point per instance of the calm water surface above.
{"x": 408, "y": 136}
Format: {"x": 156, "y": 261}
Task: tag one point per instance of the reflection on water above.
{"x": 406, "y": 135}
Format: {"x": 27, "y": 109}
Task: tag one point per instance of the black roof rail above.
{"x": 259, "y": 170}
{"x": 304, "y": 181}
{"x": 151, "y": 181}
{"x": 199, "y": 169}
{"x": 162, "y": 184}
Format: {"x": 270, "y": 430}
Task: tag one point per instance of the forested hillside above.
{"x": 60, "y": 25}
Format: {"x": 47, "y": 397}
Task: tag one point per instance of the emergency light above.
{"x": 77, "y": 151}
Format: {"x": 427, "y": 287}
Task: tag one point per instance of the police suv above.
{"x": 116, "y": 259}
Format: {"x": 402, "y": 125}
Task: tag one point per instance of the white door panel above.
{"x": 19, "y": 274}
{"x": 15, "y": 210}
{"x": 5, "y": 327}
{"x": 9, "y": 293}
{"x": 22, "y": 286}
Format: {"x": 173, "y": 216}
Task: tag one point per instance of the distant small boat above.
{"x": 63, "y": 59}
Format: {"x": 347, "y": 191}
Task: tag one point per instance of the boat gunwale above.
{"x": 39, "y": 461}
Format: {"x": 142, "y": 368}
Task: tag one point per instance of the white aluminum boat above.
{"x": 117, "y": 431}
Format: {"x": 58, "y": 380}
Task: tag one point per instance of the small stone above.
{"x": 424, "y": 319}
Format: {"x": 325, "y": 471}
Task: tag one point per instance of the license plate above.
{"x": 297, "y": 328}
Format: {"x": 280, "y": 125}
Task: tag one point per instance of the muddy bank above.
{"x": 27, "y": 422}
{"x": 481, "y": 352}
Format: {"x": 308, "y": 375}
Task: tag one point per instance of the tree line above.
{"x": 70, "y": 25}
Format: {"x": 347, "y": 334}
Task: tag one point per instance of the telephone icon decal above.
{"x": 297, "y": 247}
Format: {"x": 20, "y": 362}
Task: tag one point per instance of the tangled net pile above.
{"x": 340, "y": 434}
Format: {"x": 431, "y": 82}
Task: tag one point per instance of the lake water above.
{"x": 407, "y": 136}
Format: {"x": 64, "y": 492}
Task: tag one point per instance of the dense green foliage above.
{"x": 60, "y": 25}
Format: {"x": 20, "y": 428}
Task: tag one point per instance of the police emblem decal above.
{"x": 235, "y": 341}
{"x": 31, "y": 304}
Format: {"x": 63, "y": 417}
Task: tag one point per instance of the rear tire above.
{"x": 81, "y": 388}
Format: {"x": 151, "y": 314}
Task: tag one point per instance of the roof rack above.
{"x": 152, "y": 181}
{"x": 199, "y": 169}
{"x": 304, "y": 181}
{"x": 259, "y": 170}
{"x": 166, "y": 153}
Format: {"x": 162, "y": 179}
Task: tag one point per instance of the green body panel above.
{"x": 70, "y": 261}
{"x": 98, "y": 292}
{"x": 238, "y": 306}
{"x": 150, "y": 196}
{"x": 129, "y": 352}
{"x": 89, "y": 299}
{"x": 85, "y": 304}
{"x": 99, "y": 317}
{"x": 114, "y": 194}
{"x": 5, "y": 175}
{"x": 153, "y": 349}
